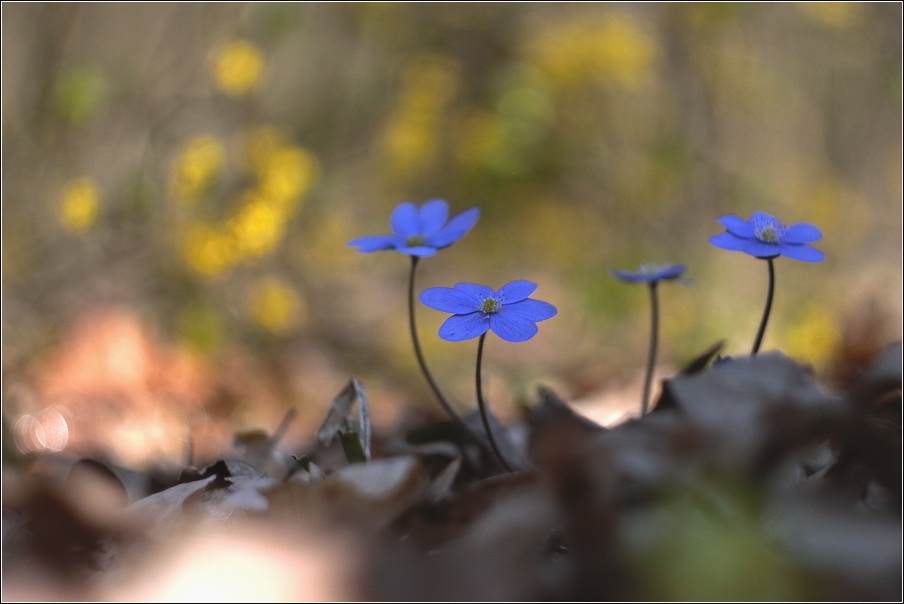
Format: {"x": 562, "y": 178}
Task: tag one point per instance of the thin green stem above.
{"x": 654, "y": 338}
{"x": 483, "y": 407}
{"x": 444, "y": 403}
{"x": 766, "y": 311}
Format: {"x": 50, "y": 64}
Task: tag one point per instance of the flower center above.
{"x": 415, "y": 241}
{"x": 490, "y": 305}
{"x": 649, "y": 269}
{"x": 768, "y": 232}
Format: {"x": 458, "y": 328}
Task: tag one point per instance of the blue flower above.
{"x": 510, "y": 313}
{"x": 764, "y": 236}
{"x": 650, "y": 273}
{"x": 420, "y": 232}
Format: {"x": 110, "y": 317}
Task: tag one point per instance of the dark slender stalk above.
{"x": 483, "y": 407}
{"x": 283, "y": 426}
{"x": 444, "y": 403}
{"x": 654, "y": 338}
{"x": 766, "y": 311}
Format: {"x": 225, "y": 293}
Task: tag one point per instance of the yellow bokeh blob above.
{"x": 195, "y": 168}
{"x": 78, "y": 205}
{"x": 612, "y": 49}
{"x": 429, "y": 83}
{"x": 207, "y": 250}
{"x": 480, "y": 138}
{"x": 276, "y": 306}
{"x": 832, "y": 14}
{"x": 813, "y": 336}
{"x": 283, "y": 174}
{"x": 237, "y": 67}
{"x": 258, "y": 227}
{"x": 287, "y": 174}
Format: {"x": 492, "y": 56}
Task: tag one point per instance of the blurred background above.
{"x": 180, "y": 183}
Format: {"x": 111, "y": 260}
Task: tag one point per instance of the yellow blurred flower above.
{"x": 480, "y": 139}
{"x": 436, "y": 74}
{"x": 276, "y": 306}
{"x": 428, "y": 85}
{"x": 237, "y": 67}
{"x": 813, "y": 336}
{"x": 710, "y": 15}
{"x": 288, "y": 174}
{"x": 612, "y": 49}
{"x": 258, "y": 227}
{"x": 195, "y": 168}
{"x": 208, "y": 251}
{"x": 284, "y": 173}
{"x": 832, "y": 14}
{"x": 260, "y": 145}
{"x": 78, "y": 205}
{"x": 410, "y": 142}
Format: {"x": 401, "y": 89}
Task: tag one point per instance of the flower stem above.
{"x": 483, "y": 407}
{"x": 766, "y": 311}
{"x": 444, "y": 403}
{"x": 654, "y": 338}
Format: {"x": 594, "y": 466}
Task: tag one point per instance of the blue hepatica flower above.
{"x": 650, "y": 273}
{"x": 509, "y": 312}
{"x": 420, "y": 232}
{"x": 763, "y": 236}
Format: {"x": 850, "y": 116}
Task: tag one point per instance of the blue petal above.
{"x": 375, "y": 243}
{"x": 737, "y": 226}
{"x": 804, "y": 253}
{"x": 480, "y": 291}
{"x": 421, "y": 251}
{"x": 511, "y": 326}
{"x": 754, "y": 247}
{"x": 406, "y": 220}
{"x": 455, "y": 230}
{"x": 671, "y": 272}
{"x": 801, "y": 233}
{"x": 464, "y": 327}
{"x": 451, "y": 300}
{"x": 516, "y": 291}
{"x": 530, "y": 309}
{"x": 629, "y": 277}
{"x": 727, "y": 241}
{"x": 433, "y": 216}
{"x": 761, "y": 249}
{"x": 764, "y": 218}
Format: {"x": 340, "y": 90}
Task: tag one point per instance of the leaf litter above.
{"x": 750, "y": 479}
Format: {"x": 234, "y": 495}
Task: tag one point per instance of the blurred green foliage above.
{"x": 706, "y": 543}
{"x": 79, "y": 94}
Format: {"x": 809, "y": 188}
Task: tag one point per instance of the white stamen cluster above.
{"x": 768, "y": 231}
{"x": 649, "y": 269}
